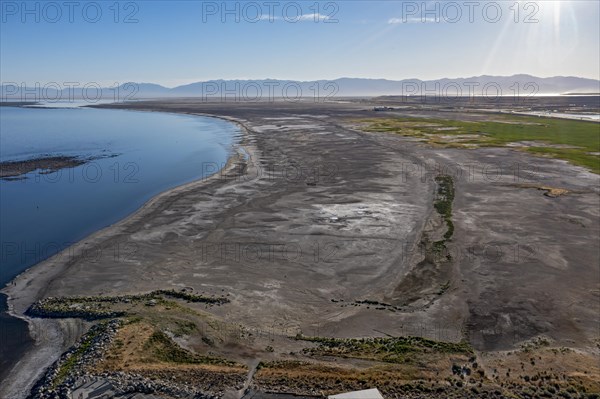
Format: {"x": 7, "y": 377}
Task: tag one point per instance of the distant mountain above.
{"x": 521, "y": 85}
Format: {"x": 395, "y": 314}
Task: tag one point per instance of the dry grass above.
{"x": 560, "y": 367}
{"x": 153, "y": 344}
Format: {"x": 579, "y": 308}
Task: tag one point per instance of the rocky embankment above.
{"x": 74, "y": 370}
{"x": 60, "y": 379}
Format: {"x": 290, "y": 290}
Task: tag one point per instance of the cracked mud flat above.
{"x": 313, "y": 212}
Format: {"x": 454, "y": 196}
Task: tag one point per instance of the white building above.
{"x": 366, "y": 394}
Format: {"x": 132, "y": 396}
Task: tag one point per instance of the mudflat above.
{"x": 318, "y": 227}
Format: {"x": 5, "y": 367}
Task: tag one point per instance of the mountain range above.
{"x": 490, "y": 86}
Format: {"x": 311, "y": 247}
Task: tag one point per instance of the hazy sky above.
{"x": 173, "y": 43}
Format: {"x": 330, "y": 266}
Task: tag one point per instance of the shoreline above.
{"x": 56, "y": 336}
{"x": 352, "y": 191}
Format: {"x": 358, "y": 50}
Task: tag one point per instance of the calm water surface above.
{"x": 142, "y": 154}
{"x": 139, "y": 154}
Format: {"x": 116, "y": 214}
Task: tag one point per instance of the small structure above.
{"x": 366, "y": 394}
{"x": 250, "y": 394}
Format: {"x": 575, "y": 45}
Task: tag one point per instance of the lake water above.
{"x": 139, "y": 155}
{"x": 548, "y": 114}
{"x": 143, "y": 154}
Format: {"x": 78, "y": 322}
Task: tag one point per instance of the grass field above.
{"x": 575, "y": 141}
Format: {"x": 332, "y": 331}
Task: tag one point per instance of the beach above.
{"x": 51, "y": 337}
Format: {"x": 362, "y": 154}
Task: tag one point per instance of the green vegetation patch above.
{"x": 163, "y": 348}
{"x": 56, "y": 308}
{"x": 184, "y": 327}
{"x": 100, "y": 307}
{"x": 391, "y": 350}
{"x": 192, "y": 297}
{"x": 73, "y": 359}
{"x": 575, "y": 141}
{"x": 67, "y": 366}
{"x": 443, "y": 202}
{"x": 573, "y": 155}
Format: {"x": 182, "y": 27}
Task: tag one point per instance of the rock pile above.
{"x": 57, "y": 308}
{"x": 60, "y": 379}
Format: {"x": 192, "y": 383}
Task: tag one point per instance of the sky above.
{"x": 178, "y": 42}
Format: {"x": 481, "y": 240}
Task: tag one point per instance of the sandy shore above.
{"x": 338, "y": 214}
{"x": 53, "y": 337}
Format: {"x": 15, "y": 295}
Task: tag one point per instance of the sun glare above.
{"x": 556, "y": 11}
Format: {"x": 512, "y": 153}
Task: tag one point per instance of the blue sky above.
{"x": 179, "y": 42}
